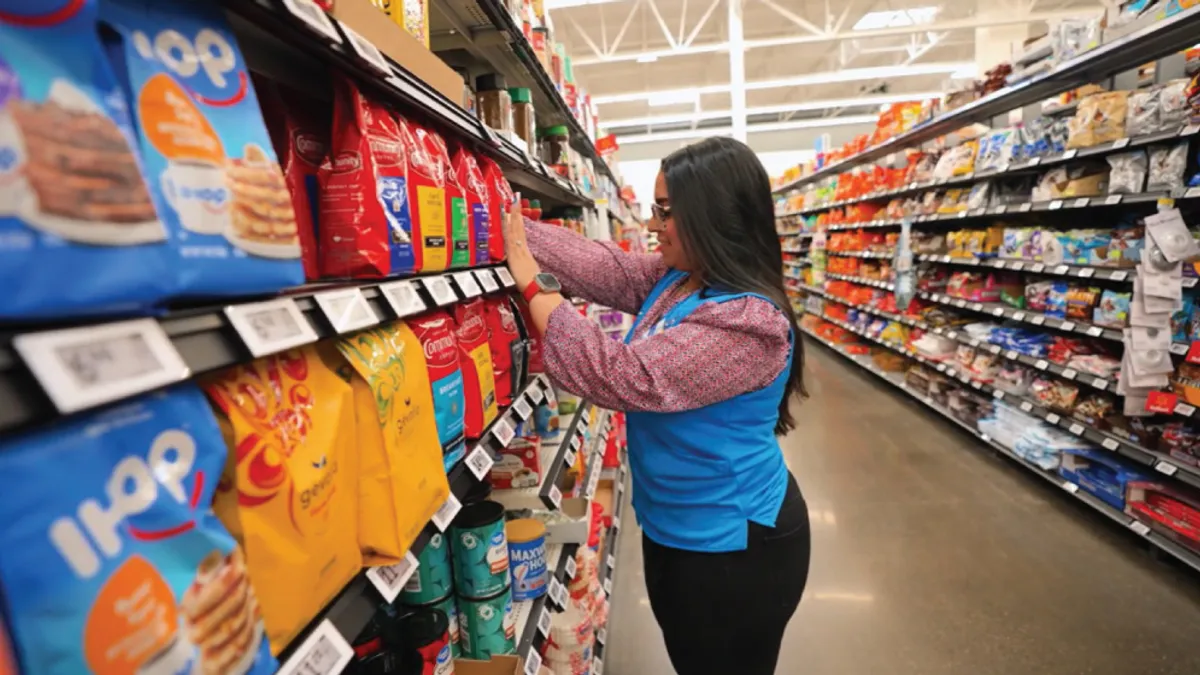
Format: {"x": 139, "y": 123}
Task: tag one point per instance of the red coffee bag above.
{"x": 508, "y": 350}
{"x": 470, "y": 177}
{"x": 365, "y": 221}
{"x": 435, "y": 330}
{"x": 458, "y": 214}
{"x": 500, "y": 197}
{"x": 475, "y": 360}
{"x": 427, "y": 193}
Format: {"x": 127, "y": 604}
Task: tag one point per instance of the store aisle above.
{"x": 934, "y": 557}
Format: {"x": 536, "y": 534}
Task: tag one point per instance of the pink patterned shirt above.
{"x": 719, "y": 351}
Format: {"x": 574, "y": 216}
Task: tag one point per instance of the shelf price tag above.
{"x": 1112, "y": 200}
{"x": 271, "y": 326}
{"x": 555, "y": 497}
{"x": 446, "y": 514}
{"x": 1037, "y": 267}
{"x": 1166, "y": 468}
{"x": 1070, "y": 487}
{"x": 1100, "y": 383}
{"x": 439, "y": 288}
{"x": 522, "y": 408}
{"x": 1069, "y": 373}
{"x": 1038, "y": 320}
{"x": 368, "y": 52}
{"x": 488, "y": 280}
{"x": 1120, "y": 143}
{"x": 602, "y": 636}
{"x": 347, "y": 309}
{"x": 998, "y": 394}
{"x": 83, "y": 367}
{"x": 1056, "y": 205}
{"x": 1019, "y": 316}
{"x": 608, "y": 584}
{"x": 503, "y": 431}
{"x": 1070, "y": 154}
{"x": 323, "y": 652}
{"x": 571, "y": 567}
{"x": 612, "y": 561}
{"x": 1068, "y": 325}
{"x": 1184, "y": 409}
{"x": 505, "y": 277}
{"x": 533, "y": 663}
{"x": 558, "y": 593}
{"x": 1041, "y": 364}
{"x": 389, "y": 580}
{"x": 1119, "y": 276}
{"x": 402, "y": 297}
{"x": 1081, "y": 202}
{"x": 1087, "y": 273}
{"x": 1139, "y": 527}
{"x": 314, "y": 17}
{"x": 480, "y": 462}
{"x": 544, "y": 622}
{"x": 536, "y": 394}
{"x": 467, "y": 284}
{"x": 597, "y": 666}
{"x": 616, "y": 523}
{"x": 1053, "y": 418}
{"x": 1026, "y": 406}
{"x": 1110, "y": 444}
{"x": 1025, "y": 208}
{"x": 1076, "y": 429}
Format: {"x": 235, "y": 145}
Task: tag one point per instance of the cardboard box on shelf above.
{"x": 370, "y": 22}
{"x": 499, "y": 665}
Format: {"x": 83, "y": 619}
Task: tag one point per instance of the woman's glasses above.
{"x": 662, "y": 213}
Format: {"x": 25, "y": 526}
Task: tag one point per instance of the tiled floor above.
{"x": 932, "y": 556}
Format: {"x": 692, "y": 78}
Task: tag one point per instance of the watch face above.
{"x": 548, "y": 282}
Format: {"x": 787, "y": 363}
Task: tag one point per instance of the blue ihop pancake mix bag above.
{"x": 435, "y": 330}
{"x": 118, "y": 566}
{"x": 212, "y": 173}
{"x": 72, "y": 197}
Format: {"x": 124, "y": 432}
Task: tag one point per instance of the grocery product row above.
{"x": 1048, "y": 73}
{"x": 1159, "y": 511}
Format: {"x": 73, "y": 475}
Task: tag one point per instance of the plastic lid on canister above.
{"x": 477, "y": 514}
{"x": 524, "y": 530}
{"x": 420, "y": 628}
{"x": 490, "y": 82}
{"x": 520, "y": 95}
{"x": 559, "y": 130}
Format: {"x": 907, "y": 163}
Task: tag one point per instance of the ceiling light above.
{"x": 647, "y": 58}
{"x": 674, "y": 97}
{"x": 896, "y": 18}
{"x": 686, "y": 134}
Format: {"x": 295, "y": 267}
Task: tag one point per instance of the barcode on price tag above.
{"x": 1095, "y": 331}
{"x": 323, "y": 652}
{"x": 83, "y": 367}
{"x": 523, "y": 409}
{"x": 1052, "y": 418}
{"x": 558, "y": 593}
{"x": 536, "y": 394}
{"x": 586, "y": 416}
{"x": 347, "y": 309}
{"x": 467, "y": 284}
{"x": 1070, "y": 487}
{"x": 998, "y": 394}
{"x": 314, "y": 17}
{"x": 576, "y": 442}
{"x": 389, "y": 580}
{"x": 602, "y": 636}
{"x": 1076, "y": 429}
{"x": 533, "y": 663}
{"x": 368, "y": 52}
{"x": 571, "y": 567}
{"x": 487, "y": 280}
{"x": 1110, "y": 443}
{"x": 555, "y": 496}
{"x": 608, "y": 584}
{"x": 1026, "y": 406}
{"x": 1041, "y": 364}
{"x": 1082, "y": 202}
{"x": 446, "y": 514}
{"x": 1139, "y": 527}
{"x": 503, "y": 431}
{"x": 1069, "y": 373}
{"x": 612, "y": 561}
{"x": 1166, "y": 468}
{"x": 480, "y": 462}
{"x": 505, "y": 277}
{"x": 402, "y": 297}
{"x": 439, "y": 288}
{"x": 1112, "y": 200}
{"x": 272, "y": 326}
{"x": 544, "y": 622}
{"x": 1038, "y": 320}
{"x": 1019, "y": 316}
{"x": 1100, "y": 383}
{"x": 1068, "y": 325}
{"x": 597, "y": 666}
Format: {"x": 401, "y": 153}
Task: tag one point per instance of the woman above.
{"x": 705, "y": 376}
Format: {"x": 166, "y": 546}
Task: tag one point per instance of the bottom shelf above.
{"x": 1183, "y": 554}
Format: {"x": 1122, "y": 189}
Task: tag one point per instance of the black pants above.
{"x": 726, "y": 612}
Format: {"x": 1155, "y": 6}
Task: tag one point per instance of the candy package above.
{"x": 1056, "y": 299}
{"x": 1100, "y": 118}
{"x": 1081, "y": 302}
{"x": 1112, "y": 310}
{"x": 1055, "y": 394}
{"x": 1128, "y": 172}
{"x": 1167, "y": 166}
{"x": 1144, "y": 112}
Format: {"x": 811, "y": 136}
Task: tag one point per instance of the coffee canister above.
{"x": 527, "y": 558}
{"x": 450, "y": 608}
{"x": 480, "y": 551}
{"x": 433, "y": 579}
{"x": 488, "y": 626}
{"x": 423, "y": 636}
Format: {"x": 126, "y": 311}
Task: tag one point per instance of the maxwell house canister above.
{"x": 527, "y": 558}
{"x": 488, "y": 626}
{"x": 480, "y": 551}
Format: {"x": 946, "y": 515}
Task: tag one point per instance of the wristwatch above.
{"x": 544, "y": 282}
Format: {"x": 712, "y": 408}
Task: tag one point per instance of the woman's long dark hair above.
{"x": 720, "y": 198}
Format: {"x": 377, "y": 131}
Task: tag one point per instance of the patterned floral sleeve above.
{"x": 596, "y": 271}
{"x": 720, "y": 351}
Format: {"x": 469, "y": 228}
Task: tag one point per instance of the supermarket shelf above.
{"x": 353, "y": 608}
{"x": 529, "y": 614}
{"x": 874, "y": 283}
{"x": 564, "y": 458}
{"x": 1001, "y": 310}
{"x": 1184, "y": 555}
{"x": 207, "y": 338}
{"x": 1154, "y": 41}
{"x": 799, "y": 235}
{"x": 1099, "y": 273}
{"x": 608, "y": 568}
{"x": 883, "y": 255}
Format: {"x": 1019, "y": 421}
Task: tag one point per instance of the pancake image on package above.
{"x": 263, "y": 221}
{"x": 117, "y": 565}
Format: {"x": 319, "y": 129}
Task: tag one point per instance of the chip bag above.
{"x": 458, "y": 214}
{"x": 288, "y": 492}
{"x": 400, "y": 475}
{"x": 475, "y": 360}
{"x": 436, "y": 331}
{"x": 113, "y": 561}
{"x": 500, "y": 197}
{"x": 366, "y": 225}
{"x": 427, "y": 192}
{"x": 507, "y": 347}
{"x": 470, "y": 177}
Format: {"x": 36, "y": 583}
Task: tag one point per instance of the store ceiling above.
{"x": 805, "y": 60}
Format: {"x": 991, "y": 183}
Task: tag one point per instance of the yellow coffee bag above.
{"x": 402, "y": 482}
{"x": 288, "y": 491}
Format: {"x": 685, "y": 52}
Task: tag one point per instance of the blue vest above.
{"x": 700, "y": 475}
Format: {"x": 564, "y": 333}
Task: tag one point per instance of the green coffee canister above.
{"x": 480, "y": 551}
{"x": 488, "y": 627}
{"x": 433, "y": 579}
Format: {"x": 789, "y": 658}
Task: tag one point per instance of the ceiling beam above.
{"x": 936, "y": 26}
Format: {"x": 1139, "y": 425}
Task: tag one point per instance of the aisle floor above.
{"x": 933, "y": 556}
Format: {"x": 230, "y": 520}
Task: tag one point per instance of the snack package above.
{"x": 1056, "y": 299}
{"x": 299, "y": 130}
{"x": 435, "y": 330}
{"x": 475, "y": 361}
{"x": 1142, "y": 116}
{"x": 1054, "y": 394}
{"x": 519, "y": 464}
{"x": 1128, "y": 173}
{"x": 113, "y": 559}
{"x": 288, "y": 492}
{"x": 427, "y": 192}
{"x": 1100, "y": 118}
{"x": 401, "y": 476}
{"x": 1081, "y": 301}
{"x": 1167, "y": 166}
{"x": 1113, "y": 310}
{"x": 366, "y": 224}
{"x": 478, "y": 197}
{"x": 458, "y": 212}
{"x": 508, "y": 350}
{"x": 72, "y": 195}
{"x": 500, "y": 198}
{"x": 213, "y": 177}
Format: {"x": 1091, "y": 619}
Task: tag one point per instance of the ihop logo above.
{"x": 214, "y": 199}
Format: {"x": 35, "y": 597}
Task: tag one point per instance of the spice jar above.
{"x": 495, "y": 105}
{"x": 555, "y": 141}
{"x": 522, "y": 112}
{"x": 541, "y": 46}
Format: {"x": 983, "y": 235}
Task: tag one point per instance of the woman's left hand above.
{"x": 520, "y": 261}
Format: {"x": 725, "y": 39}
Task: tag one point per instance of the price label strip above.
{"x": 368, "y": 52}
{"x": 84, "y": 367}
{"x": 522, "y": 408}
{"x": 571, "y": 567}
{"x": 480, "y": 462}
{"x": 347, "y": 309}
{"x": 597, "y": 666}
{"x": 439, "y": 288}
{"x": 446, "y": 514}
{"x": 503, "y": 431}
{"x": 467, "y": 284}
{"x": 505, "y": 277}
{"x": 555, "y": 496}
{"x": 323, "y": 652}
{"x": 271, "y": 327}
{"x": 314, "y": 17}
{"x": 403, "y": 298}
{"x": 389, "y": 580}
{"x": 602, "y": 636}
{"x": 487, "y": 280}
{"x": 533, "y": 663}
{"x": 544, "y": 622}
{"x": 1140, "y": 528}
{"x": 558, "y": 593}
